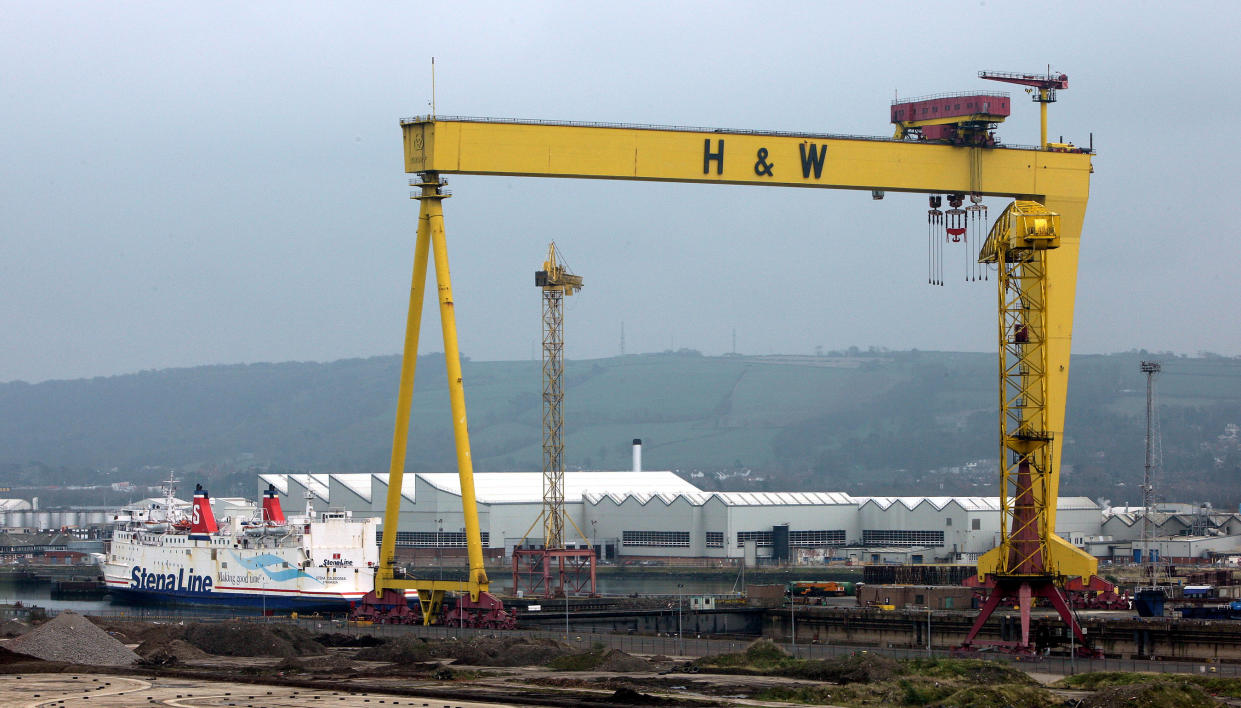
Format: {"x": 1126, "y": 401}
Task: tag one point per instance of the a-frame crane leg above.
{"x": 387, "y": 603}
{"x": 456, "y": 394}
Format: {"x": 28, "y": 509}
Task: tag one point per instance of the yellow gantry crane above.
{"x": 1034, "y": 245}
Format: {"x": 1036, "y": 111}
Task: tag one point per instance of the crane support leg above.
{"x": 456, "y": 394}
{"x": 404, "y": 401}
{"x": 387, "y": 603}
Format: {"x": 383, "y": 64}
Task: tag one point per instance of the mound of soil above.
{"x": 333, "y": 663}
{"x": 472, "y": 652}
{"x": 235, "y": 638}
{"x": 72, "y": 638}
{"x": 170, "y": 652}
{"x": 600, "y": 660}
{"x": 1151, "y": 695}
{"x": 630, "y": 697}
{"x": 614, "y": 660}
{"x": 13, "y": 628}
{"x": 348, "y": 640}
{"x": 405, "y": 650}
{"x": 128, "y": 632}
{"x": 11, "y": 657}
{"x": 855, "y": 668}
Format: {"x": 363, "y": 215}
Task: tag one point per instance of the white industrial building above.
{"x": 636, "y": 515}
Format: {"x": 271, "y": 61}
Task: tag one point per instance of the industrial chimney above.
{"x": 637, "y": 454}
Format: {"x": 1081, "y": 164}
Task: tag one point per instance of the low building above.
{"x": 654, "y": 517}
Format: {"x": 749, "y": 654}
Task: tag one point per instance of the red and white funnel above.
{"x": 202, "y": 520}
{"x": 272, "y": 513}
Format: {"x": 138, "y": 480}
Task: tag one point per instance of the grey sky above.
{"x": 198, "y": 183}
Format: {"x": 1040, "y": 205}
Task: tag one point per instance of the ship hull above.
{"x": 123, "y": 595}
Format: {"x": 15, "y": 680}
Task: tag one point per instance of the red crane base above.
{"x": 487, "y": 613}
{"x": 1023, "y": 589}
{"x": 553, "y": 572}
{"x": 391, "y": 607}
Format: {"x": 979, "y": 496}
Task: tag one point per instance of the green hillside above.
{"x": 861, "y": 422}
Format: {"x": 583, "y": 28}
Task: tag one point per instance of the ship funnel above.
{"x": 202, "y": 521}
{"x": 272, "y": 513}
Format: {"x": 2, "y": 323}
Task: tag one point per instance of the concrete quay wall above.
{"x": 1117, "y": 634}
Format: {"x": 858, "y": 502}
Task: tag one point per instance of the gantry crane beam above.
{"x": 1060, "y": 181}
{"x": 623, "y": 152}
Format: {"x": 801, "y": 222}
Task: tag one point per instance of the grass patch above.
{"x": 914, "y": 691}
{"x": 972, "y": 670}
{"x": 1099, "y": 680}
{"x": 867, "y": 679}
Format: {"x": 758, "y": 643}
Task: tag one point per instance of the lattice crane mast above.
{"x": 555, "y": 570}
{"x": 557, "y": 283}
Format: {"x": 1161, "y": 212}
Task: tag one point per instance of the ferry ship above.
{"x": 168, "y": 552}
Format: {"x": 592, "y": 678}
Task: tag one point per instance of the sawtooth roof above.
{"x": 527, "y": 487}
{"x": 969, "y": 503}
{"x": 728, "y": 498}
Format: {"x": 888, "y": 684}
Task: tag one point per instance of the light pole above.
{"x": 439, "y": 546}
{"x": 680, "y": 595}
{"x": 594, "y": 537}
{"x": 1072, "y": 650}
{"x": 928, "y": 631}
{"x": 792, "y": 618}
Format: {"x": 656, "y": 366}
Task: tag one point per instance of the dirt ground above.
{"x": 34, "y": 690}
{"x": 186, "y": 667}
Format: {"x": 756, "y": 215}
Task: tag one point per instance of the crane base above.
{"x": 487, "y": 613}
{"x": 390, "y": 607}
{"x": 553, "y": 572}
{"x": 1023, "y": 589}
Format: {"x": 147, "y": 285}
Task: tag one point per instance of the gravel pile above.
{"x": 72, "y": 638}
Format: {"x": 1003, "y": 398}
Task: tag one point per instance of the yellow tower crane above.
{"x": 1034, "y": 244}
{"x": 555, "y": 569}
{"x": 556, "y": 283}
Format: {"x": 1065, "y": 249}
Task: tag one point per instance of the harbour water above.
{"x": 665, "y": 582}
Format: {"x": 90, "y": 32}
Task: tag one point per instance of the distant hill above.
{"x": 862, "y": 422}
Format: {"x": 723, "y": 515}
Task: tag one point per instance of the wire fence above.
{"x": 691, "y": 647}
{"x": 685, "y": 647}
